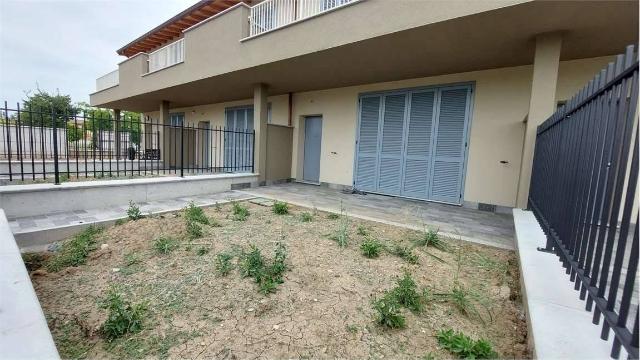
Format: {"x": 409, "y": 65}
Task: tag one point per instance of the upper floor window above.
{"x": 177, "y": 119}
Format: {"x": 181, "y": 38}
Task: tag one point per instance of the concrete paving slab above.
{"x": 454, "y": 221}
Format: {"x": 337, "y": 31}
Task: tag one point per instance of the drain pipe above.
{"x": 290, "y": 108}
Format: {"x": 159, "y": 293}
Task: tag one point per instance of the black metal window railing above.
{"x": 584, "y": 194}
{"x": 42, "y": 144}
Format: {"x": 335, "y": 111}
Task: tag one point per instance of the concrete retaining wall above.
{"x": 24, "y": 333}
{"x": 559, "y": 326}
{"x": 38, "y": 199}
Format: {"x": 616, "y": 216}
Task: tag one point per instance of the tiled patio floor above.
{"x": 470, "y": 225}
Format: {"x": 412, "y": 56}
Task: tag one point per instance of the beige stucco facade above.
{"x": 501, "y": 104}
{"x": 520, "y": 61}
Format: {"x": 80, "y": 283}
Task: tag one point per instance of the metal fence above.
{"x": 584, "y": 194}
{"x": 38, "y": 144}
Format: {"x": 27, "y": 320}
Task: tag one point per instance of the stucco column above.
{"x": 541, "y": 105}
{"x": 116, "y": 130}
{"x": 260, "y": 126}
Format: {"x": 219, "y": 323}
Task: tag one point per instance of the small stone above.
{"x": 329, "y": 271}
{"x": 115, "y": 269}
{"x": 251, "y": 309}
{"x": 203, "y": 343}
{"x": 276, "y": 327}
{"x": 104, "y": 246}
{"x": 315, "y": 300}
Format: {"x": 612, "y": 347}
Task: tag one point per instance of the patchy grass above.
{"x": 306, "y": 217}
{"x": 195, "y": 214}
{"x": 75, "y": 251}
{"x": 165, "y": 244}
{"x": 371, "y": 248}
{"x": 240, "y": 212}
{"x": 223, "y": 264}
{"x": 280, "y": 208}
{"x": 404, "y": 252}
{"x": 463, "y": 347}
{"x": 123, "y": 316}
{"x": 337, "y": 304}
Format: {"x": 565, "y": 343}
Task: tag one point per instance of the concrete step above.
{"x": 35, "y": 233}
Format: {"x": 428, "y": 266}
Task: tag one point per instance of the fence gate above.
{"x": 584, "y": 194}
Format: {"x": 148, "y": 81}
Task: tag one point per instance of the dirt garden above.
{"x": 265, "y": 280}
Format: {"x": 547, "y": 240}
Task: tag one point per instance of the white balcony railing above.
{"x": 169, "y": 55}
{"x": 272, "y": 14}
{"x": 107, "y": 81}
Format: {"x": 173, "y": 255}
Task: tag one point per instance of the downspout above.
{"x": 290, "y": 109}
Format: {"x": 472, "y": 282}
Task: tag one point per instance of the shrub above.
{"x": 192, "y": 213}
{"x": 194, "y": 230}
{"x": 388, "y": 312}
{"x": 133, "y": 212}
{"x": 371, "y": 248}
{"x": 202, "y": 251}
{"x": 333, "y": 216}
{"x": 406, "y": 293}
{"x": 121, "y": 222}
{"x": 280, "y": 208}
{"x": 223, "y": 264}
{"x": 75, "y": 251}
{"x": 165, "y": 244}
{"x": 306, "y": 217}
{"x": 240, "y": 213}
{"x": 464, "y": 347}
{"x": 123, "y": 316}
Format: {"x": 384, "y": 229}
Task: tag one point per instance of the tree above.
{"x": 40, "y": 107}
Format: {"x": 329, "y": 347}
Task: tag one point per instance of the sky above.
{"x": 64, "y": 45}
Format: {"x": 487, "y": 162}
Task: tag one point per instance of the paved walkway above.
{"x": 34, "y": 231}
{"x": 455, "y": 221}
{"x": 470, "y": 225}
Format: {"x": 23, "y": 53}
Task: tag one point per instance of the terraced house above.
{"x": 432, "y": 100}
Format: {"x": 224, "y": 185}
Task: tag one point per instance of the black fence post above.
{"x": 253, "y": 154}
{"x": 182, "y": 148}
{"x": 55, "y": 147}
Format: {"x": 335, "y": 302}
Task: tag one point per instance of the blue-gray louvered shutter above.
{"x": 418, "y": 150}
{"x": 367, "y": 161}
{"x": 390, "y": 167}
{"x": 448, "y": 160}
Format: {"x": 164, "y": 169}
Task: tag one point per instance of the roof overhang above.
{"x": 172, "y": 28}
{"x": 500, "y": 38}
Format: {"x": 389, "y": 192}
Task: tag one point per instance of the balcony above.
{"x": 109, "y": 80}
{"x": 274, "y": 14}
{"x": 169, "y": 55}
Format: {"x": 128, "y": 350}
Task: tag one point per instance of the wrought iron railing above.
{"x": 36, "y": 144}
{"x": 584, "y": 194}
